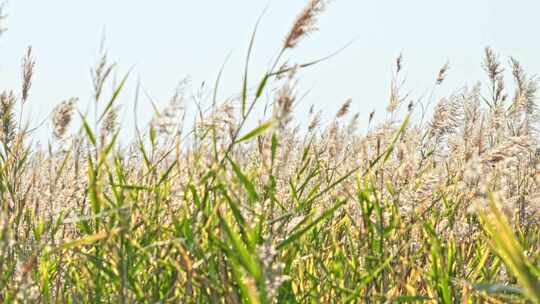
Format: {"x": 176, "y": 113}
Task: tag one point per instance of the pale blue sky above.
{"x": 166, "y": 40}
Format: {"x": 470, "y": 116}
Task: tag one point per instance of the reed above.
{"x": 442, "y": 210}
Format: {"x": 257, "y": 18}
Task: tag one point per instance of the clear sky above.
{"x": 166, "y": 40}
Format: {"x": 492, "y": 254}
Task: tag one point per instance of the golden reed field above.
{"x": 436, "y": 201}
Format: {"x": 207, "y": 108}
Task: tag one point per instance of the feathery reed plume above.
{"x": 442, "y": 73}
{"x": 169, "y": 120}
{"x": 61, "y": 117}
{"x": 518, "y": 73}
{"x": 371, "y": 116}
{"x": 305, "y": 23}
{"x": 395, "y": 99}
{"x": 494, "y": 70}
{"x": 315, "y": 121}
{"x": 526, "y": 89}
{"x": 285, "y": 100}
{"x": 491, "y": 64}
{"x": 530, "y": 94}
{"x": 110, "y": 122}
{"x": 353, "y": 124}
{"x": 344, "y": 109}
{"x": 101, "y": 73}
{"x": 446, "y": 118}
{"x": 399, "y": 62}
{"x": 28, "y": 64}
{"x": 499, "y": 89}
{"x": 520, "y": 79}
{"x": 7, "y": 104}
{"x": 284, "y": 103}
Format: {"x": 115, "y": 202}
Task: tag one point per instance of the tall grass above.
{"x": 435, "y": 206}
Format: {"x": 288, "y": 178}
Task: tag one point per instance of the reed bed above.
{"x": 439, "y": 202}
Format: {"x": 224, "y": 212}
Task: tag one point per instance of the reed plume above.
{"x": 305, "y": 23}
{"x": 62, "y": 116}
{"x": 7, "y": 117}
{"x": 28, "y": 65}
